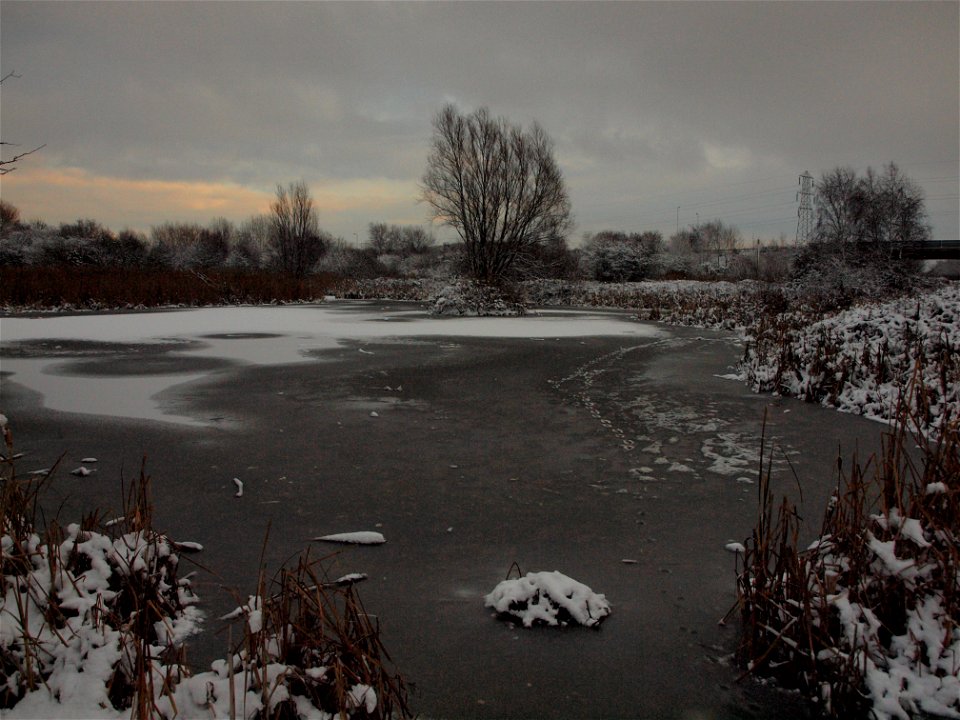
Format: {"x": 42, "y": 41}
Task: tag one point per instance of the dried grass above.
{"x": 308, "y": 638}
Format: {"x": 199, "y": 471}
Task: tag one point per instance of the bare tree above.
{"x": 884, "y": 207}
{"x": 497, "y": 185}
{"x": 719, "y": 237}
{"x": 9, "y": 217}
{"x": 863, "y": 224}
{"x": 295, "y": 239}
{"x": 8, "y": 166}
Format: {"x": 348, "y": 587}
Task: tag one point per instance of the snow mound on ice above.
{"x": 548, "y": 598}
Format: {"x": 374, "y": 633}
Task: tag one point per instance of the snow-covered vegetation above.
{"x": 866, "y": 359}
{"x": 867, "y": 617}
{"x": 94, "y": 617}
{"x": 548, "y": 598}
{"x": 468, "y": 297}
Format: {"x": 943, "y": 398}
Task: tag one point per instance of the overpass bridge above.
{"x": 932, "y": 250}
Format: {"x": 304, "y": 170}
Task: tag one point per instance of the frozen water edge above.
{"x": 253, "y": 336}
{"x": 133, "y": 397}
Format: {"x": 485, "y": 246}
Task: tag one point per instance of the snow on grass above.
{"x": 548, "y": 598}
{"x": 354, "y": 538}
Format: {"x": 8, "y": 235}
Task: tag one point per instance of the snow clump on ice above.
{"x": 548, "y": 598}
{"x": 354, "y": 538}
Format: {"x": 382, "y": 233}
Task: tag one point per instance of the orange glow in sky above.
{"x": 65, "y": 194}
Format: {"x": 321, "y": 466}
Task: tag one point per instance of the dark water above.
{"x": 567, "y": 455}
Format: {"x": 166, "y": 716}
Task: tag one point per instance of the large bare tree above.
{"x": 10, "y": 164}
{"x": 295, "y": 237}
{"x": 497, "y": 185}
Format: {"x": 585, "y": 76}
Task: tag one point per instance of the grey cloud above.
{"x": 632, "y": 92}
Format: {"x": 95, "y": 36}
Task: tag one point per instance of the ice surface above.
{"x": 236, "y": 334}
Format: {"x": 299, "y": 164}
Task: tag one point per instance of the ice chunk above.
{"x": 189, "y": 546}
{"x": 354, "y": 538}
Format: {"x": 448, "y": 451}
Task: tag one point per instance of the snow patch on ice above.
{"x": 354, "y": 538}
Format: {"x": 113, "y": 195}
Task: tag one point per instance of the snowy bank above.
{"x": 863, "y": 360}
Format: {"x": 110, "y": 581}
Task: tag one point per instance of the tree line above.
{"x": 498, "y": 186}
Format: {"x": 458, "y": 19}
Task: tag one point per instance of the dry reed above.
{"x": 838, "y": 618}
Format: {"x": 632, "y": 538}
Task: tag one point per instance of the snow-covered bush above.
{"x": 93, "y": 619}
{"x": 548, "y": 598}
{"x": 470, "y": 297}
{"x": 619, "y": 257}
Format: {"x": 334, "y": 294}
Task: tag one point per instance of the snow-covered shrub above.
{"x": 867, "y": 617}
{"x": 388, "y": 289}
{"x": 93, "y": 619}
{"x": 619, "y": 257}
{"x": 470, "y": 297}
{"x": 16, "y": 248}
{"x": 548, "y": 598}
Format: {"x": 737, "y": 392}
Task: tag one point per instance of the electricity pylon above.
{"x": 805, "y": 211}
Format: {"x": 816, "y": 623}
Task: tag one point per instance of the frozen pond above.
{"x": 245, "y": 335}
{"x": 573, "y": 441}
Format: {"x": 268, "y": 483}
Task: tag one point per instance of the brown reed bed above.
{"x": 866, "y": 619}
{"x": 85, "y": 288}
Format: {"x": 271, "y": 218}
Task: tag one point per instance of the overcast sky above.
{"x": 188, "y": 111}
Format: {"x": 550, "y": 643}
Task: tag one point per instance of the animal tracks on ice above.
{"x": 580, "y": 383}
{"x": 680, "y": 437}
